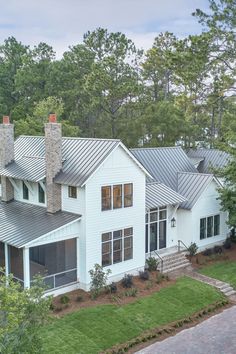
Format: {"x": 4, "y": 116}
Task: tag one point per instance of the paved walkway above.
{"x": 216, "y": 335}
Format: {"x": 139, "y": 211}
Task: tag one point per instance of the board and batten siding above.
{"x": 78, "y": 206}
{"x": 118, "y": 168}
{"x": 33, "y": 193}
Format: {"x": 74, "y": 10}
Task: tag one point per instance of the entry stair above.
{"x": 172, "y": 262}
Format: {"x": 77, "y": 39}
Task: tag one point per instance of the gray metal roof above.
{"x": 81, "y": 157}
{"x": 191, "y": 185}
{"x": 22, "y": 223}
{"x": 164, "y": 163}
{"x": 212, "y": 159}
{"x": 158, "y": 195}
{"x": 27, "y": 168}
{"x": 196, "y": 161}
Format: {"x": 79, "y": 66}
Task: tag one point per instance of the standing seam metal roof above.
{"x": 22, "y": 223}
{"x": 158, "y": 195}
{"x": 164, "y": 163}
{"x": 191, "y": 185}
{"x": 81, "y": 156}
{"x": 212, "y": 159}
{"x": 27, "y": 168}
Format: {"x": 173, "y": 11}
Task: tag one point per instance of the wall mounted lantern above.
{"x": 173, "y": 222}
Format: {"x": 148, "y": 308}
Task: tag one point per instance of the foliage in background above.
{"x": 22, "y": 313}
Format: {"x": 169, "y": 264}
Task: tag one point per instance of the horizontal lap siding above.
{"x": 119, "y": 168}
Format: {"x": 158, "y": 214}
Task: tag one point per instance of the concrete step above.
{"x": 173, "y": 256}
{"x": 169, "y": 270}
{"x": 226, "y": 290}
{"x": 175, "y": 264}
{"x": 222, "y": 287}
{"x": 232, "y": 292}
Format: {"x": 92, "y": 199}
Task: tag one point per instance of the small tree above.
{"x": 22, "y": 313}
{"x": 98, "y": 279}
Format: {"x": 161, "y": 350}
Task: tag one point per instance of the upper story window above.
{"x": 72, "y": 192}
{"x": 117, "y": 196}
{"x": 128, "y": 195}
{"x": 25, "y": 191}
{"x": 41, "y": 194}
{"x": 209, "y": 226}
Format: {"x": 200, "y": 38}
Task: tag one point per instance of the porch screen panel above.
{"x": 2, "y": 255}
{"x": 56, "y": 262}
{"x": 16, "y": 262}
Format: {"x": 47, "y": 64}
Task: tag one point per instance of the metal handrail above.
{"x": 159, "y": 258}
{"x": 179, "y": 242}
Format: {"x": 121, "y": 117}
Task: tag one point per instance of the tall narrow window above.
{"x": 106, "y": 249}
{"x": 72, "y": 192}
{"x": 210, "y": 226}
{"x": 117, "y": 196}
{"x": 117, "y": 246}
{"x": 41, "y": 194}
{"x": 128, "y": 243}
{"x": 128, "y": 195}
{"x": 25, "y": 191}
{"x": 216, "y": 225}
{"x": 106, "y": 198}
{"x": 202, "y": 228}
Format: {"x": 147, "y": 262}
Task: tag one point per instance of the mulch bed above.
{"x": 80, "y": 299}
{"x": 200, "y": 260}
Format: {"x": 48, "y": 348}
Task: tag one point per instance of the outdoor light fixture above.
{"x": 173, "y": 222}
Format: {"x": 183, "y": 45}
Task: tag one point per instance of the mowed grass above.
{"x": 91, "y": 330}
{"x": 225, "y": 271}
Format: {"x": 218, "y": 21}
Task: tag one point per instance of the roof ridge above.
{"x": 157, "y": 148}
{"x": 196, "y": 173}
{"x": 69, "y": 137}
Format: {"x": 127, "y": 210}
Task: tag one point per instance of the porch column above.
{"x": 6, "y": 259}
{"x": 26, "y": 267}
{"x": 77, "y": 257}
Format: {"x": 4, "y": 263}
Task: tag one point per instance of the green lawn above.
{"x": 225, "y": 271}
{"x": 91, "y": 330}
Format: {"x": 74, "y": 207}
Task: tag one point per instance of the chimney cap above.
{"x": 52, "y": 118}
{"x": 5, "y": 120}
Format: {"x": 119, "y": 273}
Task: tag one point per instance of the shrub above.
{"x": 98, "y": 279}
{"x": 218, "y": 250}
{"x": 192, "y": 249}
{"x": 149, "y": 284}
{"x": 113, "y": 288}
{"x": 144, "y": 275}
{"x": 152, "y": 264}
{"x": 207, "y": 252}
{"x": 127, "y": 281}
{"x": 79, "y": 298}
{"x": 132, "y": 292}
{"x": 64, "y": 299}
{"x": 159, "y": 278}
{"x": 227, "y": 244}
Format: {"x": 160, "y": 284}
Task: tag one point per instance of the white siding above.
{"x": 189, "y": 221}
{"x": 118, "y": 168}
{"x": 33, "y": 195}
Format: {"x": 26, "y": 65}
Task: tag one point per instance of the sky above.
{"x": 62, "y": 23}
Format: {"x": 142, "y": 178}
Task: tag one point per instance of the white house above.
{"x": 68, "y": 203}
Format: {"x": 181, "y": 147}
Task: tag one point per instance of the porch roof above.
{"x": 158, "y": 195}
{"x": 21, "y": 223}
{"x": 27, "y": 168}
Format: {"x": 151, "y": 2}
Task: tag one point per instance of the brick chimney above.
{"x": 53, "y": 156}
{"x": 6, "y": 156}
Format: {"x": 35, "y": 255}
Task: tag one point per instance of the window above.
{"x": 156, "y": 220}
{"x": 209, "y": 226}
{"x": 25, "y": 191}
{"x": 41, "y": 194}
{"x": 128, "y": 195}
{"x": 72, "y": 192}
{"x": 117, "y": 246}
{"x": 106, "y": 198}
{"x": 117, "y": 196}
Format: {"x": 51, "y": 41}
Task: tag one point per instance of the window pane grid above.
{"x": 117, "y": 246}
{"x": 209, "y": 226}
